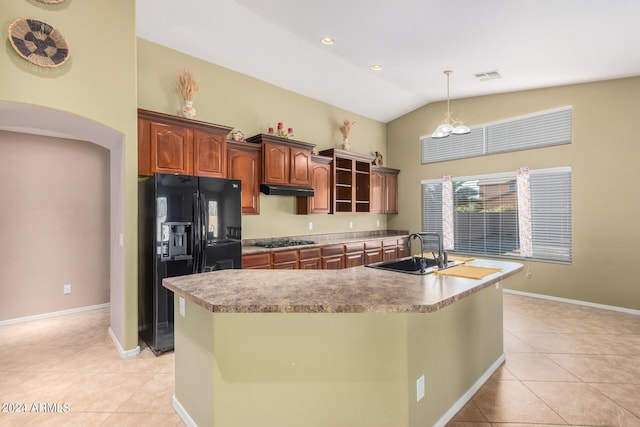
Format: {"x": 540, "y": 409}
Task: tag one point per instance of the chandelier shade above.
{"x": 449, "y": 125}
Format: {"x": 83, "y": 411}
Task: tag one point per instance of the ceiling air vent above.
{"x": 489, "y": 75}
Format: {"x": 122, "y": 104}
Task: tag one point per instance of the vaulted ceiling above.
{"x": 527, "y": 43}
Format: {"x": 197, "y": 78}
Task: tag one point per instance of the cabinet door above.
{"x": 403, "y": 248}
{"x": 209, "y": 154}
{"x": 377, "y": 192}
{"x": 310, "y": 264}
{"x": 300, "y": 167}
{"x": 334, "y": 262}
{"x": 372, "y": 255}
{"x": 276, "y": 163}
{"x": 391, "y": 193}
{"x": 245, "y": 166}
{"x": 320, "y": 203}
{"x": 171, "y": 149}
{"x": 389, "y": 250}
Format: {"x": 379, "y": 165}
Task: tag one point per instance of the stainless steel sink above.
{"x": 410, "y": 265}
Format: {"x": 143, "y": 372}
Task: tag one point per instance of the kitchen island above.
{"x": 333, "y": 347}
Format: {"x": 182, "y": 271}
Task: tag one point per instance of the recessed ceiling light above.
{"x": 376, "y": 67}
{"x": 328, "y": 40}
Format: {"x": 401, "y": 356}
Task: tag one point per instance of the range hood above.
{"x": 286, "y": 190}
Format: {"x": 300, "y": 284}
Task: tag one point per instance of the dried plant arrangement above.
{"x": 187, "y": 84}
{"x": 346, "y": 128}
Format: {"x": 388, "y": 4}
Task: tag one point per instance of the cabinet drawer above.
{"x": 284, "y": 256}
{"x": 372, "y": 244}
{"x": 310, "y": 253}
{"x": 390, "y": 242}
{"x": 354, "y": 247}
{"x": 262, "y": 260}
{"x": 332, "y": 250}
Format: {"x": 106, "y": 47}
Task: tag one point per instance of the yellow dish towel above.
{"x": 460, "y": 258}
{"x": 467, "y": 271}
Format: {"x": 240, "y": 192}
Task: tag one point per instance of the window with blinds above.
{"x": 544, "y": 129}
{"x": 485, "y": 217}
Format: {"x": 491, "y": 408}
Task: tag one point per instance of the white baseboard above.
{"x": 124, "y": 354}
{"x": 576, "y": 302}
{"x": 53, "y": 314}
{"x": 182, "y": 413}
{"x": 448, "y": 416}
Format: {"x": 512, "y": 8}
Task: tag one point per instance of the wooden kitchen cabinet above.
{"x": 257, "y": 261}
{"x": 310, "y": 259}
{"x": 332, "y": 257}
{"x": 350, "y": 181}
{"x": 403, "y": 247}
{"x": 320, "y": 203}
{"x": 384, "y": 190}
{"x": 285, "y": 161}
{"x": 354, "y": 254}
{"x": 172, "y": 144}
{"x": 372, "y": 251}
{"x": 285, "y": 259}
{"x": 389, "y": 249}
{"x": 244, "y": 163}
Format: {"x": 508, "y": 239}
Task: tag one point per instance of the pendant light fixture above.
{"x": 449, "y": 125}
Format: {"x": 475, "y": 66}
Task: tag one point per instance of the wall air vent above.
{"x": 489, "y": 75}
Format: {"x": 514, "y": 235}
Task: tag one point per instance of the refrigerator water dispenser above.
{"x": 176, "y": 241}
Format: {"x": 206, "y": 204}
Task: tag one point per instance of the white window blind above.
{"x": 486, "y": 220}
{"x": 542, "y": 129}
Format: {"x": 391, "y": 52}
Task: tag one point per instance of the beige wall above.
{"x": 229, "y": 98}
{"x": 55, "y": 224}
{"x": 98, "y": 85}
{"x": 603, "y": 155}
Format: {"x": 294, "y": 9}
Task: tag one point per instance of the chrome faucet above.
{"x": 423, "y": 261}
{"x": 442, "y": 257}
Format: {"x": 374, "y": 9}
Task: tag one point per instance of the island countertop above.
{"x": 352, "y": 290}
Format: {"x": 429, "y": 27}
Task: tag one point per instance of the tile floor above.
{"x": 566, "y": 365}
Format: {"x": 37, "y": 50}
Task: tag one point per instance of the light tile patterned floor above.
{"x": 566, "y": 365}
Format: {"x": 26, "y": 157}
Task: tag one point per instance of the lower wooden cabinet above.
{"x": 257, "y": 261}
{"x": 353, "y": 254}
{"x": 285, "y": 260}
{"x": 332, "y": 257}
{"x": 310, "y": 259}
{"x": 389, "y": 249}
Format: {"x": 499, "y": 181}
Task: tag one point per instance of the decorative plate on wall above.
{"x": 38, "y": 42}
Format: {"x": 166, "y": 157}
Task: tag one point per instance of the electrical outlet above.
{"x": 310, "y": 225}
{"x": 182, "y": 308}
{"x": 420, "y": 388}
{"x": 66, "y": 289}
{"x": 350, "y": 224}
{"x": 377, "y": 223}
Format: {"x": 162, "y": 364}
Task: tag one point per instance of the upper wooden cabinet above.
{"x": 350, "y": 181}
{"x": 320, "y": 203}
{"x": 172, "y": 144}
{"x": 244, "y": 163}
{"x": 285, "y": 161}
{"x": 384, "y": 190}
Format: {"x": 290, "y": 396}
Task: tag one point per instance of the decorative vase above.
{"x": 345, "y": 144}
{"x": 188, "y": 111}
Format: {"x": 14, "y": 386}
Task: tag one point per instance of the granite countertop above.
{"x": 352, "y": 290}
{"x": 323, "y": 240}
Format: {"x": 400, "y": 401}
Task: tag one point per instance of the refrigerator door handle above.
{"x": 203, "y": 238}
{"x": 196, "y": 234}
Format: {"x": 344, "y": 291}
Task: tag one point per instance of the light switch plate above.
{"x": 420, "y": 388}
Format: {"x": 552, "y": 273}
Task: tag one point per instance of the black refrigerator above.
{"x": 186, "y": 225}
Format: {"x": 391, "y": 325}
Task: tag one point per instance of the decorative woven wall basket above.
{"x": 38, "y": 42}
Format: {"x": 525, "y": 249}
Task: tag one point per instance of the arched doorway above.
{"x": 37, "y": 120}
